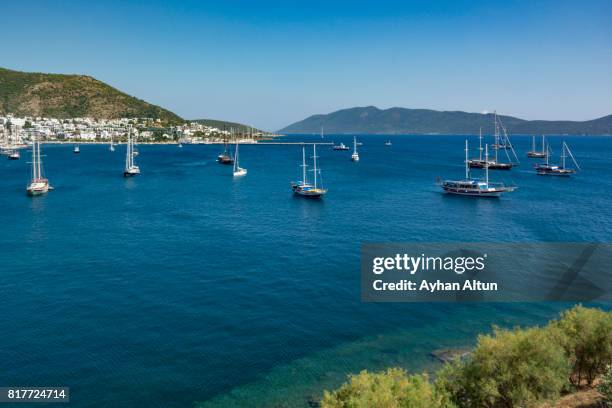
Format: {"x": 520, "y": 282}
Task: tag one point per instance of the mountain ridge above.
{"x": 70, "y": 95}
{"x": 397, "y": 120}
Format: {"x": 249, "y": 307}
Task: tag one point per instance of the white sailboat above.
{"x": 238, "y": 171}
{"x": 130, "y": 167}
{"x": 303, "y": 187}
{"x": 38, "y": 185}
{"x": 355, "y": 155}
{"x": 11, "y": 146}
{"x": 77, "y": 149}
{"x": 112, "y": 145}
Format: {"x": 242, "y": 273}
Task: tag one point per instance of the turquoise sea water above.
{"x": 184, "y": 285}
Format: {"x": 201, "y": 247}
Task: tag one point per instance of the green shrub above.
{"x": 393, "y": 388}
{"x": 605, "y": 387}
{"x": 518, "y": 368}
{"x": 586, "y": 336}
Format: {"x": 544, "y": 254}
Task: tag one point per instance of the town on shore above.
{"x": 17, "y": 132}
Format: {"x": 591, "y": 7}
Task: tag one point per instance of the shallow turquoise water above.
{"x": 185, "y": 285}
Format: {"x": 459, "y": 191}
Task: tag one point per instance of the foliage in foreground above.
{"x": 605, "y": 387}
{"x": 508, "y": 369}
{"x": 393, "y": 388}
{"x": 586, "y": 336}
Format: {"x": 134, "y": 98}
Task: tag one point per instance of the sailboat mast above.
{"x": 496, "y": 145}
{"x": 236, "y": 158}
{"x": 533, "y": 143}
{"x": 128, "y": 152}
{"x": 543, "y": 145}
{"x": 34, "y": 147}
{"x": 563, "y": 155}
{"x": 480, "y": 144}
{"x": 487, "y": 165}
{"x": 314, "y": 162}
{"x": 303, "y": 164}
{"x": 467, "y": 167}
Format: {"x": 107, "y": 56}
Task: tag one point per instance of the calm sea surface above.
{"x": 184, "y": 285}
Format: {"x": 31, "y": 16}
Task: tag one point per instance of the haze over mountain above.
{"x": 371, "y": 120}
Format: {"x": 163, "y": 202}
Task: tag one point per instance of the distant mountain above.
{"x": 224, "y": 125}
{"x": 68, "y": 96}
{"x": 371, "y": 120}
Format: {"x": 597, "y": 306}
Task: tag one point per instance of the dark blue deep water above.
{"x": 184, "y": 285}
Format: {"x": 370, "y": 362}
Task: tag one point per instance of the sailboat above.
{"x": 475, "y": 187}
{"x": 533, "y": 153}
{"x": 38, "y": 185}
{"x": 13, "y": 155}
{"x": 77, "y": 149}
{"x": 341, "y": 146}
{"x": 388, "y": 143}
{"x": 548, "y": 169}
{"x": 303, "y": 187}
{"x": 238, "y": 171}
{"x": 11, "y": 147}
{"x": 501, "y": 141}
{"x": 225, "y": 157}
{"x": 130, "y": 168}
{"x": 112, "y": 145}
{"x": 355, "y": 155}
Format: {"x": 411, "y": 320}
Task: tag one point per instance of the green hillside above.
{"x": 224, "y": 125}
{"x": 66, "y": 96}
{"x": 371, "y": 120}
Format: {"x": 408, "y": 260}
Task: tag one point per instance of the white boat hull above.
{"x": 132, "y": 171}
{"x": 38, "y": 187}
{"x": 240, "y": 172}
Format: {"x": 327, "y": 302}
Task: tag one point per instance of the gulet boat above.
{"x": 547, "y": 169}
{"x": 475, "y": 187}
{"x": 304, "y": 188}
{"x": 39, "y": 185}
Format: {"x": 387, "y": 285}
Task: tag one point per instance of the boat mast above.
{"x": 543, "y": 145}
{"x": 480, "y": 144}
{"x": 314, "y": 160}
{"x": 496, "y": 145}
{"x": 39, "y": 160}
{"x": 487, "y": 165}
{"x": 467, "y": 167}
{"x": 563, "y": 156}
{"x": 236, "y": 158}
{"x": 34, "y": 159}
{"x": 533, "y": 143}
{"x": 304, "y": 165}
{"x": 354, "y": 145}
{"x": 128, "y": 151}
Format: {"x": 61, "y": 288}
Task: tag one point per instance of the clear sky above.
{"x": 270, "y": 63}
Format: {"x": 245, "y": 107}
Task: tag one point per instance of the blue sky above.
{"x": 270, "y": 63}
